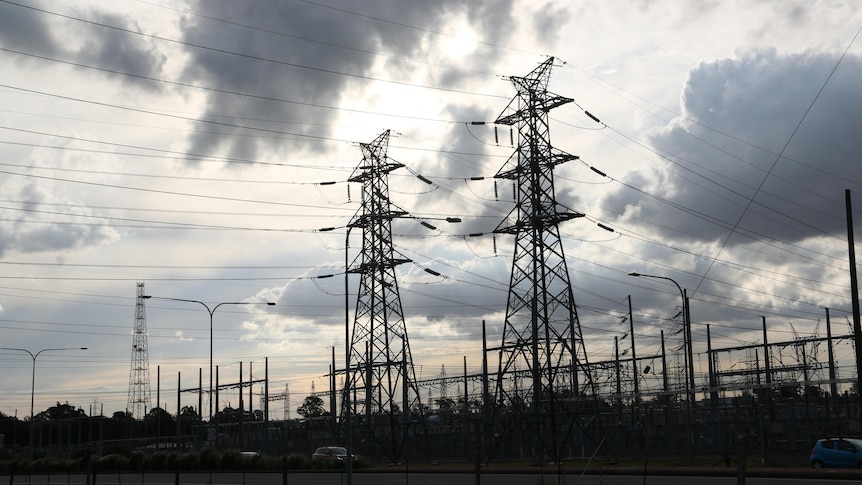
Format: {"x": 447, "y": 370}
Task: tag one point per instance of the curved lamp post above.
{"x": 686, "y": 322}
{"x": 211, "y": 311}
{"x": 33, "y": 379}
{"x": 689, "y": 372}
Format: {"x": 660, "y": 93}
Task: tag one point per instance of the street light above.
{"x": 689, "y": 372}
{"x": 210, "y": 311}
{"x": 686, "y": 323}
{"x": 33, "y": 379}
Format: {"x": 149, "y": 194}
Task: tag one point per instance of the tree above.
{"x": 312, "y": 407}
{"x": 160, "y": 422}
{"x": 228, "y": 415}
{"x": 189, "y": 414}
{"x": 122, "y": 416}
{"x": 59, "y": 412}
{"x": 445, "y": 405}
{"x": 14, "y": 430}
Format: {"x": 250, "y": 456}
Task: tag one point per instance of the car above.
{"x": 837, "y": 453}
{"x": 330, "y": 453}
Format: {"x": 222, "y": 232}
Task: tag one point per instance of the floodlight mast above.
{"x": 689, "y": 371}
{"x": 33, "y": 380}
{"x": 211, "y": 311}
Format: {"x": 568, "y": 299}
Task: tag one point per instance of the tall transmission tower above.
{"x": 380, "y": 378}
{"x": 139, "y": 374}
{"x": 542, "y": 339}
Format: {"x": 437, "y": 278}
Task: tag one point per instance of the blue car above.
{"x": 837, "y": 453}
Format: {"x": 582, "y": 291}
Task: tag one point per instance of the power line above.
{"x": 247, "y": 56}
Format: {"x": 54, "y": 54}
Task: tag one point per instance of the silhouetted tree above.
{"x": 60, "y": 411}
{"x": 160, "y": 422}
{"x": 312, "y": 407}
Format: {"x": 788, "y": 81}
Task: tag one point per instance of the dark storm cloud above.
{"x": 39, "y": 33}
{"x": 35, "y": 233}
{"x": 21, "y": 29}
{"x": 293, "y": 54}
{"x": 751, "y": 106}
{"x": 118, "y": 51}
{"x": 548, "y": 23}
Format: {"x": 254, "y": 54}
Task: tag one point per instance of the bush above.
{"x": 189, "y": 461}
{"x": 296, "y": 461}
{"x": 136, "y": 461}
{"x": 46, "y": 465}
{"x": 210, "y": 459}
{"x": 231, "y": 460}
{"x": 113, "y": 462}
{"x": 10, "y": 467}
{"x": 268, "y": 462}
{"x": 162, "y": 461}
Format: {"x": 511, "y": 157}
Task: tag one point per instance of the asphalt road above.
{"x": 402, "y": 479}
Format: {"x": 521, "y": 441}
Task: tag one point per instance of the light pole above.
{"x": 33, "y": 380}
{"x": 689, "y": 371}
{"x": 211, "y": 311}
{"x": 348, "y": 434}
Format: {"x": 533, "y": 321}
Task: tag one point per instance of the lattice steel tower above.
{"x": 380, "y": 380}
{"x": 542, "y": 335}
{"x": 139, "y": 375}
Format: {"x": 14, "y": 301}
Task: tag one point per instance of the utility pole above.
{"x": 854, "y": 297}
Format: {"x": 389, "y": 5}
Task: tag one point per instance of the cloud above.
{"x": 285, "y": 59}
{"x": 37, "y": 229}
{"x": 20, "y": 29}
{"x": 101, "y": 40}
{"x": 179, "y": 336}
{"x": 737, "y": 116}
{"x": 116, "y": 50}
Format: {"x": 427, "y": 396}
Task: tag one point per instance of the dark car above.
{"x": 837, "y": 453}
{"x": 330, "y": 453}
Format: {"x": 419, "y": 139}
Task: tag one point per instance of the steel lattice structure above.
{"x": 542, "y": 336}
{"x": 139, "y": 373}
{"x": 380, "y": 380}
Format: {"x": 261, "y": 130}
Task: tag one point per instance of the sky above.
{"x": 200, "y": 147}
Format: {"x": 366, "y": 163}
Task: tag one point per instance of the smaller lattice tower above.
{"x": 139, "y": 374}
{"x": 284, "y": 397}
{"x": 286, "y": 402}
{"x": 444, "y": 387}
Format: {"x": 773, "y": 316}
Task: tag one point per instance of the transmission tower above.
{"x": 542, "y": 334}
{"x": 381, "y": 379}
{"x": 139, "y": 375}
{"x": 444, "y": 385}
{"x": 285, "y": 398}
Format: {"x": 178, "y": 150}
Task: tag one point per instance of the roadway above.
{"x": 412, "y": 478}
